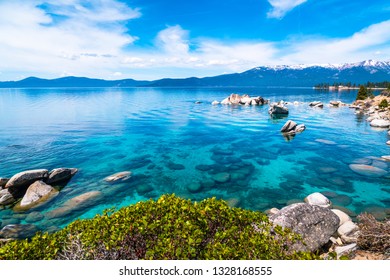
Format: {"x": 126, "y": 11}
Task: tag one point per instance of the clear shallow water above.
{"x": 173, "y": 145}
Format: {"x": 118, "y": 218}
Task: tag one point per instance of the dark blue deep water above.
{"x": 172, "y": 145}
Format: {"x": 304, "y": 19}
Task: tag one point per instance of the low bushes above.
{"x": 169, "y": 228}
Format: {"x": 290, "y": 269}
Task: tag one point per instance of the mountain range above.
{"x": 301, "y": 75}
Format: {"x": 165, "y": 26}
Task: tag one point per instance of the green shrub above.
{"x": 169, "y": 228}
{"x": 383, "y": 104}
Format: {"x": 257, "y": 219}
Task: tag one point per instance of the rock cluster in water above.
{"x": 34, "y": 187}
{"x": 318, "y": 224}
{"x": 290, "y": 128}
{"x": 236, "y": 99}
{"x": 278, "y": 108}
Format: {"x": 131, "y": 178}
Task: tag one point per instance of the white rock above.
{"x": 215, "y": 102}
{"x": 296, "y": 103}
{"x": 348, "y": 228}
{"x": 342, "y": 216}
{"x": 380, "y": 123}
{"x": 318, "y": 199}
{"x": 345, "y": 250}
{"x": 226, "y": 101}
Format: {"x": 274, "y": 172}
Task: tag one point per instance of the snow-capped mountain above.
{"x": 281, "y": 75}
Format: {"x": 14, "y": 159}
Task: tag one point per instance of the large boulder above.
{"x": 60, "y": 175}
{"x": 37, "y": 193}
{"x": 277, "y": 109}
{"x": 19, "y": 183}
{"x": 314, "y": 223}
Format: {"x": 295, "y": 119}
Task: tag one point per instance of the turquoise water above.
{"x": 173, "y": 145}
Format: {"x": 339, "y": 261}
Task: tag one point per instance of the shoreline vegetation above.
{"x": 352, "y": 86}
{"x": 174, "y": 228}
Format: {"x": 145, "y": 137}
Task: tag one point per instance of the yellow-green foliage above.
{"x": 169, "y": 228}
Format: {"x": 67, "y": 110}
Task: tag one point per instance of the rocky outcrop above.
{"x": 291, "y": 128}
{"x": 120, "y": 176}
{"x": 236, "y": 99}
{"x": 60, "y": 175}
{"x": 19, "y": 183}
{"x": 314, "y": 223}
{"x": 278, "y": 109}
{"x": 16, "y": 187}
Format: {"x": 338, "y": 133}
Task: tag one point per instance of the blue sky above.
{"x": 151, "y": 39}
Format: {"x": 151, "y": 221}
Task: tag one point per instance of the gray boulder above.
{"x": 37, "y": 192}
{"x": 277, "y": 109}
{"x": 314, "y": 223}
{"x": 59, "y": 175}
{"x": 19, "y": 183}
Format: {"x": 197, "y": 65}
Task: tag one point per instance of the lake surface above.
{"x": 172, "y": 145}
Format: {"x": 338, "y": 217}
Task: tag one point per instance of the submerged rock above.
{"x": 368, "y": 170}
{"x": 18, "y": 231}
{"x": 222, "y": 177}
{"x": 122, "y": 176}
{"x": 314, "y": 223}
{"x": 74, "y": 204}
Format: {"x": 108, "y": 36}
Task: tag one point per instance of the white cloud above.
{"x": 360, "y": 46}
{"x": 282, "y": 7}
{"x": 174, "y": 40}
{"x": 51, "y": 42}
